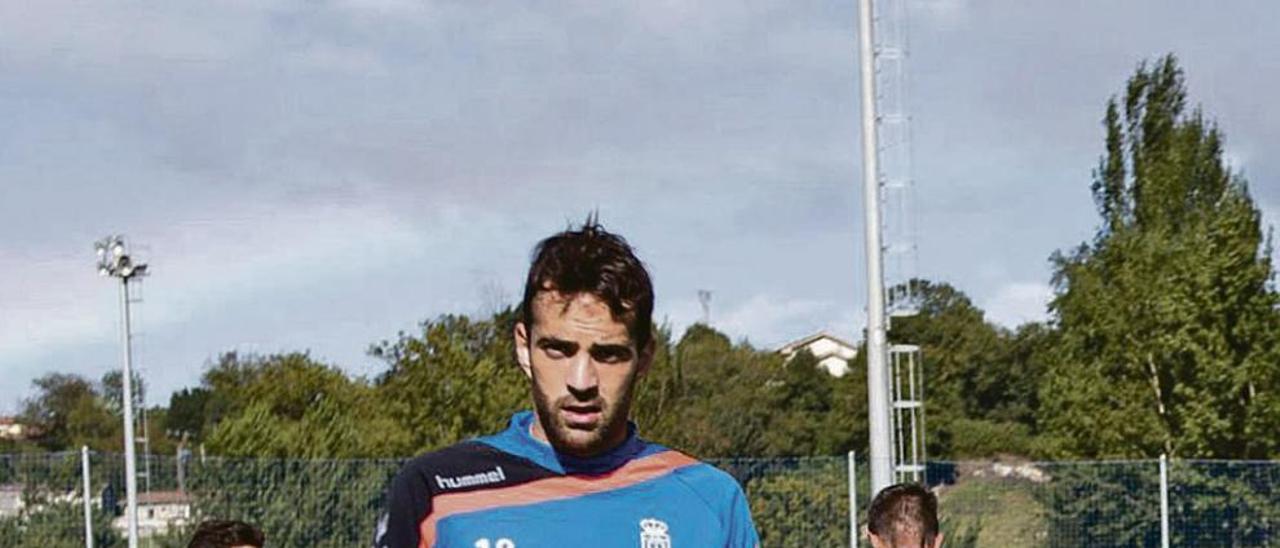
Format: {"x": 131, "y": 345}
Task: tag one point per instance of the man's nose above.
{"x": 583, "y": 380}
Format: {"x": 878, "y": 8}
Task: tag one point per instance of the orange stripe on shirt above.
{"x": 549, "y": 489}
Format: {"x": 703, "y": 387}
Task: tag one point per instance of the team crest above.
{"x": 653, "y": 534}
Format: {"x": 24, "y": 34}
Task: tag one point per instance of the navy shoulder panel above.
{"x": 467, "y": 466}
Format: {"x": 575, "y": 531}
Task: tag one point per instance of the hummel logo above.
{"x": 483, "y": 478}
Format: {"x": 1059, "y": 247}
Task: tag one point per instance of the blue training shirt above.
{"x": 511, "y": 490}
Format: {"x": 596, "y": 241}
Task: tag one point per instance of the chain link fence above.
{"x": 795, "y": 501}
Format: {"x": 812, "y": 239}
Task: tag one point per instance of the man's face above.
{"x": 583, "y": 366}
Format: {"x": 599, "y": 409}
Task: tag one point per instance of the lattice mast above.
{"x": 893, "y": 128}
{"x": 896, "y": 411}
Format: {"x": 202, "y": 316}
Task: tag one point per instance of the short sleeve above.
{"x": 407, "y": 503}
{"x": 742, "y": 531}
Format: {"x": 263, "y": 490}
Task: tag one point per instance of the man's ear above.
{"x": 522, "y": 349}
{"x": 872, "y": 539}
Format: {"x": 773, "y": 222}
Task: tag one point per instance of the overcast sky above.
{"x": 321, "y": 175}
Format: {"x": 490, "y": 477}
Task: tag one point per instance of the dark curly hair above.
{"x": 904, "y": 514}
{"x": 225, "y": 534}
{"x": 592, "y": 260}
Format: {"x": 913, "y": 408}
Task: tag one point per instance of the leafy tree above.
{"x": 1028, "y": 355}
{"x": 186, "y": 413}
{"x": 1168, "y": 333}
{"x": 658, "y": 393}
{"x": 717, "y": 403}
{"x": 801, "y": 398}
{"x": 113, "y": 390}
{"x": 722, "y": 399}
{"x": 457, "y": 379}
{"x": 154, "y": 418}
{"x": 69, "y": 412}
{"x": 291, "y": 406}
{"x": 846, "y": 425}
{"x": 979, "y": 380}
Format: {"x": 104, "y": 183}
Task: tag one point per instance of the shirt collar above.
{"x": 519, "y": 440}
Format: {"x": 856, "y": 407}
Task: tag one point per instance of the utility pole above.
{"x": 88, "y": 496}
{"x": 877, "y": 340}
{"x": 704, "y": 299}
{"x": 114, "y": 261}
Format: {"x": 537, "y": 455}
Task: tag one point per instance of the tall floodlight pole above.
{"x": 114, "y": 261}
{"x": 877, "y": 375}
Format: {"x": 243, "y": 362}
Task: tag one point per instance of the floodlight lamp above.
{"x": 118, "y": 249}
{"x": 102, "y": 251}
{"x": 102, "y": 271}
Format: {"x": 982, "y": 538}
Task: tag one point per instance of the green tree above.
{"x": 846, "y": 425}
{"x": 187, "y": 409}
{"x": 979, "y": 380}
{"x": 292, "y": 406}
{"x": 658, "y": 391}
{"x": 455, "y": 380}
{"x": 801, "y": 397}
{"x": 717, "y": 403}
{"x": 1168, "y": 331}
{"x": 69, "y": 411}
{"x": 113, "y": 390}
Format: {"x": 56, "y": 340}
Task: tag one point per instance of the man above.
{"x": 226, "y": 534}
{"x": 904, "y": 515}
{"x": 572, "y": 472}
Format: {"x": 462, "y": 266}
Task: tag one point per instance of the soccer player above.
{"x": 573, "y": 471}
{"x": 904, "y": 515}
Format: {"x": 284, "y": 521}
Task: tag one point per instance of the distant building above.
{"x": 157, "y": 512}
{"x": 11, "y": 429}
{"x": 832, "y": 352}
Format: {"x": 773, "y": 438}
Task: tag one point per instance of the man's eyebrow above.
{"x": 613, "y": 347}
{"x": 558, "y": 344}
{"x": 617, "y": 350}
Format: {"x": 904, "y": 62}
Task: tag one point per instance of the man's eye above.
{"x": 554, "y": 353}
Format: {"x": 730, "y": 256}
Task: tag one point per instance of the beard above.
{"x": 584, "y": 440}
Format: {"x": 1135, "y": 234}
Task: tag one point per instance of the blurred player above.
{"x": 904, "y": 516}
{"x": 226, "y": 534}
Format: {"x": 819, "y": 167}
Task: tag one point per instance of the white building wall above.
{"x": 835, "y": 365}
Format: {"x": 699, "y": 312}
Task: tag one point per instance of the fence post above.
{"x": 88, "y": 495}
{"x": 181, "y": 469}
{"x": 1164, "y": 501}
{"x": 853, "y": 500}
